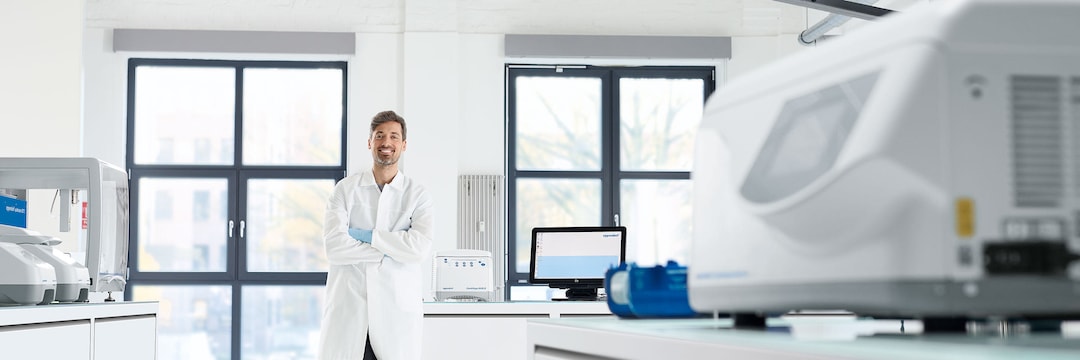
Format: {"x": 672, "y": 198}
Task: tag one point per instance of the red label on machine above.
{"x": 85, "y": 221}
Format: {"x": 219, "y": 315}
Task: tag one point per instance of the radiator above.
{"x": 482, "y": 221}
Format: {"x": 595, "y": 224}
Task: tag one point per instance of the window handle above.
{"x": 241, "y": 228}
{"x": 230, "y": 228}
{"x": 616, "y": 219}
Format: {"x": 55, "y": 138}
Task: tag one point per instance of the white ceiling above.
{"x": 585, "y": 17}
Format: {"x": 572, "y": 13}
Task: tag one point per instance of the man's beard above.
{"x": 387, "y": 162}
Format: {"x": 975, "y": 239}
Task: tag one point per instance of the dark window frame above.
{"x": 235, "y": 275}
{"x": 610, "y": 173}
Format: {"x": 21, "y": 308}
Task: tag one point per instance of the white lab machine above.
{"x": 463, "y": 275}
{"x": 103, "y": 187}
{"x": 24, "y": 278}
{"x": 924, "y": 165}
{"x": 72, "y": 278}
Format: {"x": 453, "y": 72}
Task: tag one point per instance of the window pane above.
{"x": 656, "y": 214}
{"x": 292, "y": 116}
{"x": 553, "y": 202}
{"x": 280, "y": 322}
{"x": 284, "y": 224}
{"x": 193, "y": 322}
{"x": 558, "y": 123}
{"x": 181, "y": 112}
{"x": 173, "y": 234}
{"x": 658, "y": 119}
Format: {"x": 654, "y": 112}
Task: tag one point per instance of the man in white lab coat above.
{"x": 377, "y": 233}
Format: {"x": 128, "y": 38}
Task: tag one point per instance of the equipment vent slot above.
{"x": 1038, "y": 162}
{"x": 1074, "y": 102}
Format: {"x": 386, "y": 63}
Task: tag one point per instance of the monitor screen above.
{"x": 575, "y": 257}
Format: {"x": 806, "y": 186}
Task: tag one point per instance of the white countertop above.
{"x": 552, "y": 309}
{"x": 31, "y": 314}
{"x": 712, "y": 339}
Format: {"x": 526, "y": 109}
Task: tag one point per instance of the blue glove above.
{"x": 361, "y": 235}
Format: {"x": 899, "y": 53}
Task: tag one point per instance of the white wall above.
{"x": 41, "y": 92}
{"x": 41, "y": 78}
{"x": 480, "y": 100}
{"x": 375, "y": 84}
{"x": 750, "y": 53}
{"x": 105, "y": 112}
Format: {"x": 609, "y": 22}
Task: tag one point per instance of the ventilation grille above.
{"x": 482, "y": 220}
{"x": 1074, "y": 94}
{"x": 1038, "y": 172}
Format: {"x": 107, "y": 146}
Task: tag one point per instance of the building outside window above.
{"x": 253, "y": 149}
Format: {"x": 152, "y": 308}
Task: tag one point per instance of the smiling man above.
{"x": 377, "y": 233}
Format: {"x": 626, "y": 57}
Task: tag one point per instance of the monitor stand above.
{"x": 579, "y": 294}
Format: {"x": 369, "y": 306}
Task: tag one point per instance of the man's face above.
{"x": 386, "y": 143}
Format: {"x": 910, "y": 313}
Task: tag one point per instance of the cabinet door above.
{"x": 129, "y": 337}
{"x": 477, "y": 337}
{"x": 39, "y": 341}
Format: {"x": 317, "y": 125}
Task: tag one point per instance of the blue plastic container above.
{"x": 617, "y": 296}
{"x": 659, "y": 291}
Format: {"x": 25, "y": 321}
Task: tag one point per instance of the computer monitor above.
{"x": 575, "y": 258}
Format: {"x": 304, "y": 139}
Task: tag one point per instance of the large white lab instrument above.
{"x": 24, "y": 278}
{"x": 105, "y": 188}
{"x": 464, "y": 275}
{"x": 72, "y": 278}
{"x": 925, "y": 165}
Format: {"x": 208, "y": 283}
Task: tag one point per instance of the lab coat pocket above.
{"x": 407, "y": 294}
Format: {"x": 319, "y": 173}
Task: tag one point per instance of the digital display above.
{"x": 581, "y": 253}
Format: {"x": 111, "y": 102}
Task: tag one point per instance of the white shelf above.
{"x": 32, "y": 314}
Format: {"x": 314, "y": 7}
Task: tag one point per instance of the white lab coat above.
{"x": 375, "y": 289}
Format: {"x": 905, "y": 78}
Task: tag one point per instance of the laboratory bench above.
{"x": 115, "y": 330}
{"x": 493, "y": 330}
{"x": 689, "y": 339}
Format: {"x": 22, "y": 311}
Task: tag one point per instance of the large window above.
{"x": 231, "y": 165}
{"x": 601, "y": 146}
